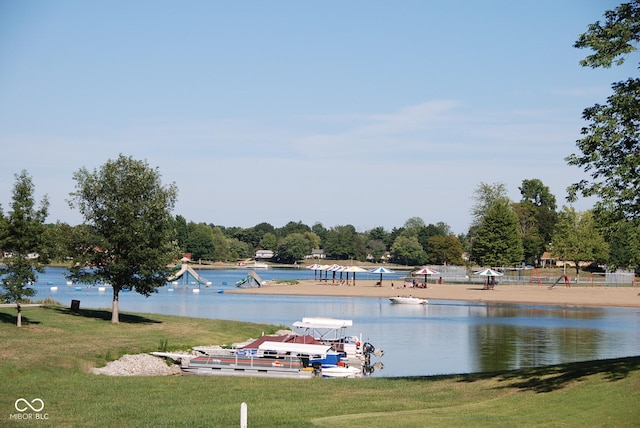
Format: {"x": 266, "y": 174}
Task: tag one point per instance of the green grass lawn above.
{"x": 51, "y": 355}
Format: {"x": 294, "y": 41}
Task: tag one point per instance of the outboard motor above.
{"x": 368, "y": 349}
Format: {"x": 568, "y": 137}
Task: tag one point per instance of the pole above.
{"x": 243, "y": 415}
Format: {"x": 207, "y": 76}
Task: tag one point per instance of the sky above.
{"x": 365, "y": 113}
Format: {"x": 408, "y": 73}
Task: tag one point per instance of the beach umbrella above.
{"x": 426, "y": 271}
{"x": 333, "y": 269}
{"x": 381, "y": 271}
{"x": 354, "y": 269}
{"x": 315, "y": 268}
{"x": 488, "y": 272}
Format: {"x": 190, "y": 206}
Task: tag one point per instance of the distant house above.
{"x": 264, "y": 254}
{"x": 547, "y": 260}
{"x": 316, "y": 254}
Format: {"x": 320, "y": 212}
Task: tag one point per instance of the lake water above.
{"x": 443, "y": 337}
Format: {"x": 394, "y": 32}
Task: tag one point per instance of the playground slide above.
{"x": 557, "y": 281}
{"x": 188, "y": 270}
{"x": 251, "y": 280}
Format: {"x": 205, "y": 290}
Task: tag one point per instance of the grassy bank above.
{"x": 50, "y": 357}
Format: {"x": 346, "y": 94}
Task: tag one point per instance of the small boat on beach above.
{"x": 408, "y": 300}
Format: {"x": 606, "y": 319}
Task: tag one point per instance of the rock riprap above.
{"x": 138, "y": 365}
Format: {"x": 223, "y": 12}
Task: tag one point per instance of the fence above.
{"x": 536, "y": 276}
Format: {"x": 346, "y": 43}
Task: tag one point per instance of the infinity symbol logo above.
{"x": 23, "y": 405}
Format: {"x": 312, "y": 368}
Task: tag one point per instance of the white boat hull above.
{"x": 408, "y": 300}
{"x": 341, "y": 372}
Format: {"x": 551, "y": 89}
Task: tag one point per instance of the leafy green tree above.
{"x": 445, "y": 250}
{"x": 200, "y": 241}
{"x": 292, "y": 227}
{"x": 537, "y": 217}
{"x": 532, "y": 241}
{"x": 268, "y": 241}
{"x": 623, "y": 237}
{"x": 221, "y": 246}
{"x": 610, "y": 147}
{"x": 22, "y": 240}
{"x": 182, "y": 232}
{"x": 425, "y": 233}
{"x": 577, "y": 239}
{"x": 407, "y": 250}
{"x": 238, "y": 249}
{"x": 376, "y": 248}
{"x": 321, "y": 232}
{"x": 413, "y": 224}
{"x": 314, "y": 240}
{"x": 129, "y": 211}
{"x": 378, "y": 233}
{"x": 293, "y": 247}
{"x": 485, "y": 196}
{"x": 498, "y": 241}
{"x": 340, "y": 242}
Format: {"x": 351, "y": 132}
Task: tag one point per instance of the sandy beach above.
{"x": 535, "y": 294}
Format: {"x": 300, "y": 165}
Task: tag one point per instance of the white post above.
{"x": 243, "y": 415}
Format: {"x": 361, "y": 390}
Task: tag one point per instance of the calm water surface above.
{"x": 443, "y": 337}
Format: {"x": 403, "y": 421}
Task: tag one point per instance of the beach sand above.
{"x": 531, "y": 294}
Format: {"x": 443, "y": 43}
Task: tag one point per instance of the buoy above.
{"x": 54, "y": 288}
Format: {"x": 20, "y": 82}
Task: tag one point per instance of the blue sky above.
{"x": 359, "y": 112}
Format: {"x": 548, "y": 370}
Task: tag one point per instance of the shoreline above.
{"x": 588, "y": 296}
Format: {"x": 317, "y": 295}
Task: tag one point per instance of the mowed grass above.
{"x": 51, "y": 355}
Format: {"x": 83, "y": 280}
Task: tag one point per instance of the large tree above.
{"x": 610, "y": 148}
{"x": 129, "y": 212}
{"x": 497, "y": 241}
{"x": 22, "y": 239}
{"x": 537, "y": 218}
{"x": 578, "y": 240}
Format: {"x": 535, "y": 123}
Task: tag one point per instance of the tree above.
{"x": 494, "y": 236}
{"x": 610, "y": 147}
{"x": 293, "y": 247}
{"x": 340, "y": 242}
{"x": 407, "y": 250}
{"x": 376, "y": 248}
{"x": 445, "y": 250}
{"x": 497, "y": 241}
{"x": 486, "y": 195}
{"x": 623, "y": 237}
{"x": 577, "y": 239}
{"x": 537, "y": 216}
{"x": 200, "y": 241}
{"x": 268, "y": 241}
{"x": 221, "y": 246}
{"x": 21, "y": 241}
{"x": 129, "y": 210}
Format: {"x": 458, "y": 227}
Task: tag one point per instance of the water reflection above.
{"x": 439, "y": 338}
